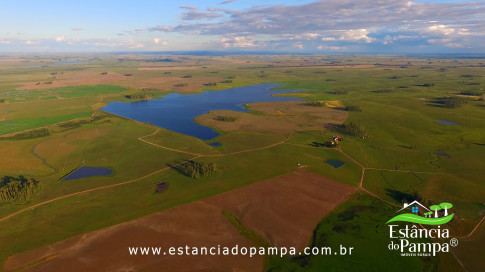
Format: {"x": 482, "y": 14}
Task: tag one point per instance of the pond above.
{"x": 86, "y": 172}
{"x": 335, "y": 163}
{"x": 176, "y": 112}
{"x": 446, "y": 122}
{"x": 216, "y": 144}
{"x": 442, "y": 154}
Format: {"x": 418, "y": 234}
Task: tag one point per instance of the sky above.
{"x": 306, "y": 26}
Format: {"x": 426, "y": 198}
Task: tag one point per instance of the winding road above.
{"x": 196, "y": 155}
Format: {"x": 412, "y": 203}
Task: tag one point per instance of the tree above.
{"x": 355, "y": 130}
{"x": 446, "y": 206}
{"x": 454, "y": 102}
{"x": 435, "y": 208}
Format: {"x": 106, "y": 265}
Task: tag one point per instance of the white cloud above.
{"x": 60, "y": 38}
{"x": 357, "y": 35}
{"x": 134, "y": 44}
{"x": 440, "y": 30}
{"x": 159, "y": 41}
{"x": 351, "y": 35}
{"x": 335, "y": 48}
{"x": 238, "y": 41}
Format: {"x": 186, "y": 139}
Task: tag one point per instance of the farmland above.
{"x": 397, "y": 100}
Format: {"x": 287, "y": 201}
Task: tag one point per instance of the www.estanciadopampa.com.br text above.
{"x": 237, "y": 251}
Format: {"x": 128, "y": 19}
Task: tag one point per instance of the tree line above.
{"x": 36, "y": 133}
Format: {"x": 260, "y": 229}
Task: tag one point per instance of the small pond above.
{"x": 86, "y": 172}
{"x": 445, "y": 122}
{"x": 442, "y": 154}
{"x": 335, "y": 163}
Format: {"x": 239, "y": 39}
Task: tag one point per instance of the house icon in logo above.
{"x": 415, "y": 207}
{"x": 422, "y": 215}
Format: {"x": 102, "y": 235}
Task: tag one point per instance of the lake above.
{"x": 176, "y": 112}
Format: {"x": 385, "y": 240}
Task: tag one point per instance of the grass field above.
{"x": 406, "y": 149}
{"x": 358, "y": 223}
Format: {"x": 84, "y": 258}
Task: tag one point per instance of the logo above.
{"x": 410, "y": 241}
{"x": 430, "y": 215}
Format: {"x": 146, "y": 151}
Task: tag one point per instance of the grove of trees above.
{"x": 355, "y": 130}
{"x": 454, "y": 102}
{"x": 196, "y": 170}
{"x": 17, "y": 188}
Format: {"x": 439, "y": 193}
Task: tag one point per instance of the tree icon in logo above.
{"x": 427, "y": 218}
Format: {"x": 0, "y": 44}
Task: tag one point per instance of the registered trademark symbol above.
{"x": 454, "y": 242}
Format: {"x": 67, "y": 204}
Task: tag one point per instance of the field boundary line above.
{"x": 361, "y": 186}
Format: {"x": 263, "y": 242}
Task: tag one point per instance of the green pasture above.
{"x": 359, "y": 223}
{"x": 399, "y": 98}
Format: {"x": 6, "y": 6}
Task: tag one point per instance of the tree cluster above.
{"x": 454, "y": 102}
{"x": 340, "y": 92}
{"x": 137, "y": 96}
{"x": 383, "y": 91}
{"x": 471, "y": 93}
{"x": 353, "y": 108}
{"x": 227, "y": 118}
{"x": 17, "y": 188}
{"x": 317, "y": 103}
{"x": 196, "y": 170}
{"x": 355, "y": 130}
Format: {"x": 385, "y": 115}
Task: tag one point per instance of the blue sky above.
{"x": 371, "y": 26}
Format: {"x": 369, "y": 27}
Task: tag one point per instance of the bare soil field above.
{"x": 198, "y": 224}
{"x": 279, "y": 117}
{"x": 284, "y": 210}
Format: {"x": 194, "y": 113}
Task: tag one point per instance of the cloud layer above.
{"x": 372, "y": 26}
{"x": 337, "y": 24}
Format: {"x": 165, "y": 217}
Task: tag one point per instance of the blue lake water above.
{"x": 446, "y": 122}
{"x": 177, "y": 112}
{"x": 86, "y": 172}
{"x": 215, "y": 144}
